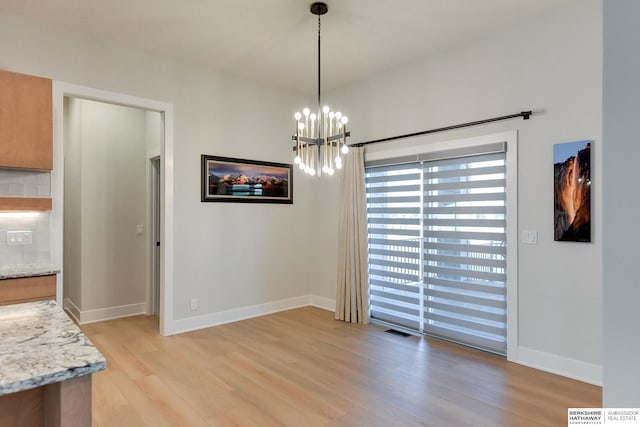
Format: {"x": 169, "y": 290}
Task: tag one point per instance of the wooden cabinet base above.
{"x": 67, "y": 403}
{"x": 26, "y": 289}
{"x": 25, "y": 408}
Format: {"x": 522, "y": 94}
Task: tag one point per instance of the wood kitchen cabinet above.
{"x": 25, "y": 204}
{"x": 26, "y": 289}
{"x": 26, "y": 121}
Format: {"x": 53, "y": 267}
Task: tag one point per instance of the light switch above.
{"x": 529, "y": 237}
{"x": 139, "y": 230}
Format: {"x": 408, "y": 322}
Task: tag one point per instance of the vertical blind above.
{"x": 437, "y": 255}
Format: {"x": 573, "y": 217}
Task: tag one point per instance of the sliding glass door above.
{"x": 394, "y": 217}
{"x": 437, "y": 237}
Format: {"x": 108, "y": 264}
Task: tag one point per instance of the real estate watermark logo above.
{"x": 610, "y": 417}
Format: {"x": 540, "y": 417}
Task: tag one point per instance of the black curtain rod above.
{"x": 524, "y": 114}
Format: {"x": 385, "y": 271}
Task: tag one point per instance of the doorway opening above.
{"x": 157, "y": 293}
{"x": 107, "y": 223}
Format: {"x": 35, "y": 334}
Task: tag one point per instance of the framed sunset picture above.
{"x": 572, "y": 191}
{"x": 226, "y": 179}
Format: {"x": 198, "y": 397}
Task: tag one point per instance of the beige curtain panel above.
{"x": 352, "y": 295}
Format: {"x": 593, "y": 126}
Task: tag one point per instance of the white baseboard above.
{"x": 236, "y": 314}
{"x": 72, "y": 309}
{"x": 102, "y": 314}
{"x": 322, "y": 302}
{"x": 571, "y": 368}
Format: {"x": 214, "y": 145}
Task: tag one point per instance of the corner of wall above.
{"x": 322, "y": 302}
{"x": 72, "y": 309}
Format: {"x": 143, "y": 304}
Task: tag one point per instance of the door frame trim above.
{"x": 153, "y": 266}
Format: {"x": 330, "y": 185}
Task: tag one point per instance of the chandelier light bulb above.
{"x": 305, "y": 112}
{"x": 312, "y": 117}
{"x": 312, "y": 172}
{"x": 331, "y": 171}
{"x": 297, "y": 116}
{"x": 301, "y": 126}
{"x": 325, "y": 109}
{"x": 338, "y": 115}
{"x": 338, "y": 165}
{"x": 332, "y": 115}
{"x": 338, "y": 159}
{"x": 325, "y": 169}
{"x": 301, "y": 165}
{"x": 344, "y": 120}
{"x": 344, "y": 149}
{"x": 297, "y": 160}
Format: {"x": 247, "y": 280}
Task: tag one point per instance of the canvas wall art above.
{"x": 572, "y": 191}
{"x": 225, "y": 179}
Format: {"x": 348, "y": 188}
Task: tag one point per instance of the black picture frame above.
{"x": 228, "y": 179}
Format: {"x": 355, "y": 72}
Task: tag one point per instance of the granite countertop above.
{"x": 39, "y": 345}
{"x": 15, "y": 271}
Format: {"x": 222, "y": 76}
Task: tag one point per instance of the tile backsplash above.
{"x": 36, "y": 252}
{"x": 24, "y": 183}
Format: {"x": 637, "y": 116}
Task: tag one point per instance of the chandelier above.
{"x": 321, "y": 137}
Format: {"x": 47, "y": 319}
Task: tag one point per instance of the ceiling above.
{"x": 274, "y": 41}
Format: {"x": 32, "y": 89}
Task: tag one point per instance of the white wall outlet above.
{"x": 139, "y": 229}
{"x": 194, "y": 304}
{"x": 529, "y": 237}
{"x": 19, "y": 237}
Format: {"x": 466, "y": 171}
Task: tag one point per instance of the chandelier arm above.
{"x": 314, "y": 141}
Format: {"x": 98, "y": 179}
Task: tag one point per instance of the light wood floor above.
{"x": 302, "y": 368}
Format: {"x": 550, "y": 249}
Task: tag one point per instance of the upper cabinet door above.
{"x": 26, "y": 122}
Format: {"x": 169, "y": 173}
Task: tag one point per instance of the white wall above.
{"x": 621, "y": 257}
{"x": 113, "y": 204}
{"x": 105, "y": 173}
{"x": 553, "y": 66}
{"x": 228, "y": 256}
